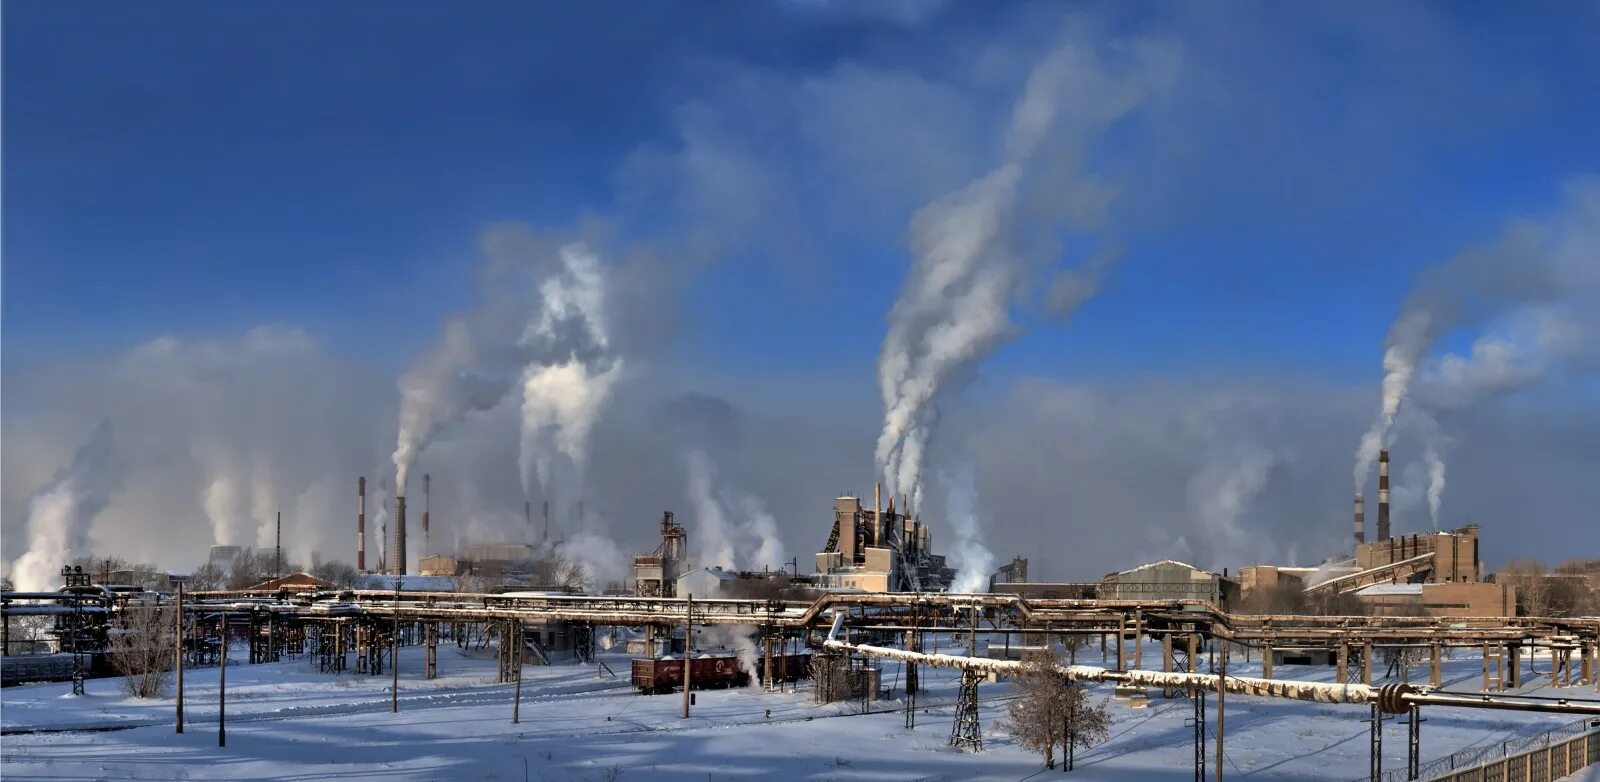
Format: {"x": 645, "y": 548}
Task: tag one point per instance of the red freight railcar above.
{"x": 658, "y": 675}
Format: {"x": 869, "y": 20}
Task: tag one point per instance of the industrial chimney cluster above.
{"x": 1383, "y": 503}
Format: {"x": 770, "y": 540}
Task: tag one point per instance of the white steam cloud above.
{"x": 569, "y": 379}
{"x": 1220, "y": 494}
{"x": 59, "y": 516}
{"x": 733, "y": 529}
{"x": 1542, "y": 270}
{"x": 972, "y": 560}
{"x": 971, "y": 248}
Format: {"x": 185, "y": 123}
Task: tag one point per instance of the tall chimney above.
{"x": 427, "y": 505}
{"x": 1361, "y": 518}
{"x": 546, "y": 521}
{"x": 1383, "y": 494}
{"x": 398, "y": 561}
{"x": 879, "y": 529}
{"x": 361, "y": 524}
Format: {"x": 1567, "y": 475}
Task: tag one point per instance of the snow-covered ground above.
{"x": 286, "y": 721}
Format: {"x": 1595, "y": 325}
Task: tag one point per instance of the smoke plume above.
{"x": 973, "y": 561}
{"x": 569, "y": 378}
{"x": 972, "y": 248}
{"x": 1531, "y": 267}
{"x": 59, "y": 516}
{"x": 734, "y": 529}
{"x": 1220, "y": 495}
{"x": 1435, "y": 463}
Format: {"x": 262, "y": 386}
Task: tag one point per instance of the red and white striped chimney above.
{"x": 361, "y": 524}
{"x": 1361, "y": 518}
{"x": 1383, "y": 494}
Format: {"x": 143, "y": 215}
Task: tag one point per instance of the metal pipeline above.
{"x": 1392, "y": 698}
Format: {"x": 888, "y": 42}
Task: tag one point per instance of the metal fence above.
{"x": 1540, "y": 757}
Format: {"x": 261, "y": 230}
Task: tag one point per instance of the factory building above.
{"x": 1169, "y": 580}
{"x": 880, "y": 549}
{"x": 657, "y": 574}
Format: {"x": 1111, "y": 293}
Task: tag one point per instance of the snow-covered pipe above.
{"x": 1391, "y": 698}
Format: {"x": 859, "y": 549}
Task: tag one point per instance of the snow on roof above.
{"x": 1390, "y": 589}
{"x": 1154, "y": 564}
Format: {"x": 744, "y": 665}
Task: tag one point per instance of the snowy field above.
{"x": 286, "y": 721}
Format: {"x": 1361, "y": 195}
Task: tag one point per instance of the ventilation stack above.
{"x": 361, "y": 524}
{"x": 1361, "y": 518}
{"x": 1383, "y": 495}
{"x": 398, "y": 560}
{"x": 427, "y": 504}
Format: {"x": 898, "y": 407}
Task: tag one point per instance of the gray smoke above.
{"x": 59, "y": 516}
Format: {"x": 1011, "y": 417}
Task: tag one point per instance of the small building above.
{"x": 1254, "y": 577}
{"x": 294, "y": 582}
{"x": 1166, "y": 581}
{"x": 439, "y": 565}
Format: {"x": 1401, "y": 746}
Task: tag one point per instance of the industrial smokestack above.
{"x": 546, "y": 521}
{"x": 427, "y": 505}
{"x": 361, "y": 524}
{"x": 398, "y": 560}
{"x": 1361, "y": 518}
{"x": 878, "y": 530}
{"x": 1383, "y": 494}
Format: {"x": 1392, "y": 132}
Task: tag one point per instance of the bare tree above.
{"x": 333, "y": 571}
{"x": 206, "y": 578}
{"x": 1053, "y": 710}
{"x": 142, "y": 647}
{"x": 1535, "y": 590}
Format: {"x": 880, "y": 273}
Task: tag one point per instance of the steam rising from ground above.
{"x": 1220, "y": 494}
{"x": 59, "y": 516}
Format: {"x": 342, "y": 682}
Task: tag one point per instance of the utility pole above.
{"x": 222, "y": 689}
{"x": 516, "y": 701}
{"x": 688, "y": 646}
{"x": 394, "y": 652}
{"x": 178, "y": 641}
{"x": 277, "y": 550}
{"x": 1222, "y": 689}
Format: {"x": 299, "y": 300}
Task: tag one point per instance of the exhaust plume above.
{"x": 733, "y": 529}
{"x": 59, "y": 516}
{"x": 1435, "y": 463}
{"x": 973, "y": 561}
{"x": 570, "y": 377}
{"x": 1530, "y": 266}
{"x": 969, "y": 247}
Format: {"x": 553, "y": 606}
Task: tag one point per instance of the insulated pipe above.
{"x": 1391, "y": 698}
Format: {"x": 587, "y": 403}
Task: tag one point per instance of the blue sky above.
{"x": 197, "y": 168}
{"x": 201, "y": 169}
